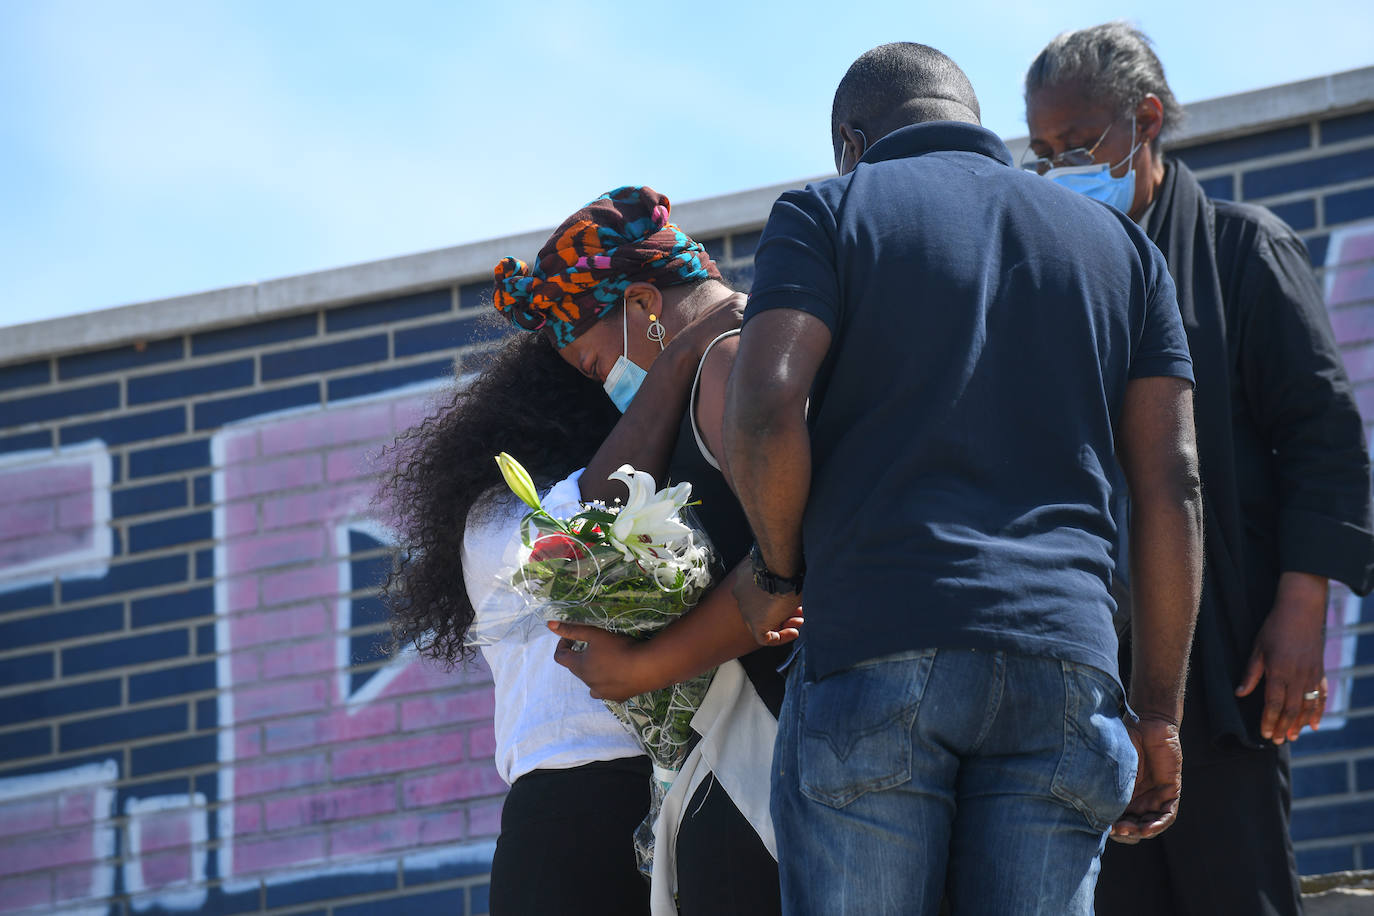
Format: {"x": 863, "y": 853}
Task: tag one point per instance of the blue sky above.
{"x": 150, "y": 149}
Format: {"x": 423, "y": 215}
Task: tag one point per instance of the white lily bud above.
{"x": 518, "y": 479}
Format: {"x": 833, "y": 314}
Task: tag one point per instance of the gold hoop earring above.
{"x": 656, "y": 331}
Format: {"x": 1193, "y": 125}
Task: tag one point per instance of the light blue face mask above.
{"x": 1096, "y": 180}
{"x": 623, "y": 381}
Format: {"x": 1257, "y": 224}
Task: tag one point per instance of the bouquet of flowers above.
{"x": 629, "y": 569}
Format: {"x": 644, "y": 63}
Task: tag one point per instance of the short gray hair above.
{"x": 1113, "y": 63}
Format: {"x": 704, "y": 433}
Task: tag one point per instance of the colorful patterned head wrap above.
{"x": 620, "y": 238}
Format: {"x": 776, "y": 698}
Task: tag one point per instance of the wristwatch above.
{"x": 771, "y": 582}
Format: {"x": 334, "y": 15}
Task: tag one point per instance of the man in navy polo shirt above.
{"x": 977, "y": 348}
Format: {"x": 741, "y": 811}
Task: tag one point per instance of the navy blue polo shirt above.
{"x": 984, "y": 325}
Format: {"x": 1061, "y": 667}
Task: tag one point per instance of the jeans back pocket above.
{"x": 1096, "y": 773}
{"x": 855, "y": 728}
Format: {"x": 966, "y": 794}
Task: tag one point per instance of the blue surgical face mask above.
{"x": 1096, "y": 180}
{"x": 623, "y": 381}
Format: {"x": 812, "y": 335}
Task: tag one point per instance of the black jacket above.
{"x": 1285, "y": 470}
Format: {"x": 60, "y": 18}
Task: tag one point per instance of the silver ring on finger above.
{"x": 578, "y": 646}
{"x": 1311, "y": 696}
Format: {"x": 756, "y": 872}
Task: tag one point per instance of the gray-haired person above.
{"x": 1285, "y": 476}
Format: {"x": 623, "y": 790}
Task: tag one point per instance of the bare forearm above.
{"x": 1158, "y": 451}
{"x": 769, "y": 453}
{"x": 1307, "y": 589}
{"x": 708, "y": 635}
{"x": 1166, "y": 577}
{"x": 767, "y": 443}
{"x": 645, "y": 436}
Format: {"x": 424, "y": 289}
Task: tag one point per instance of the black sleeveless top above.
{"x": 723, "y": 520}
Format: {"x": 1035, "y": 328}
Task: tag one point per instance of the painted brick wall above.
{"x": 194, "y": 712}
{"x": 1318, "y": 175}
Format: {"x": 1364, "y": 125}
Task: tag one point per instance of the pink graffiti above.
{"x": 1344, "y": 611}
{"x": 53, "y": 513}
{"x": 57, "y": 837}
{"x": 1350, "y": 265}
{"x": 167, "y": 837}
{"x": 1350, "y": 300}
{"x": 1350, "y": 292}
{"x": 316, "y": 770}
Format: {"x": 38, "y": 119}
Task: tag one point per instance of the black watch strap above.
{"x": 769, "y": 581}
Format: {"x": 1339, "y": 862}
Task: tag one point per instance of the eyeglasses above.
{"x": 1079, "y": 155}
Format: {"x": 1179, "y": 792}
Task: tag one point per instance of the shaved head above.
{"x": 899, "y": 84}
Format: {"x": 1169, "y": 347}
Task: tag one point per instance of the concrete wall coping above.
{"x": 250, "y": 302}
{"x": 1230, "y": 115}
{"x": 1207, "y": 120}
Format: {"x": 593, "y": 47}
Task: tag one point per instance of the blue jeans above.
{"x": 988, "y": 777}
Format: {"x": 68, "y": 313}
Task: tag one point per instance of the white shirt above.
{"x": 545, "y": 718}
{"x": 737, "y": 733}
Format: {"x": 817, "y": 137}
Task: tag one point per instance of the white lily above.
{"x": 648, "y": 520}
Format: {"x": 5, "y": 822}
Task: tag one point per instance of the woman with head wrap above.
{"x": 614, "y": 286}
{"x": 578, "y": 778}
{"x": 616, "y": 280}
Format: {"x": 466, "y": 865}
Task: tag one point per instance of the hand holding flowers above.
{"x": 614, "y": 667}
{"x": 628, "y": 570}
{"x": 660, "y": 567}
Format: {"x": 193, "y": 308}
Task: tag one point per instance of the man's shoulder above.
{"x": 817, "y": 203}
{"x": 826, "y": 191}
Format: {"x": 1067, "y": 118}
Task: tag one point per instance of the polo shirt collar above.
{"x": 938, "y": 136}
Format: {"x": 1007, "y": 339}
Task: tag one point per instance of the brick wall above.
{"x": 195, "y": 715}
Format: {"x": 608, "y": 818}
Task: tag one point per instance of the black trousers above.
{"x": 1228, "y": 854}
{"x": 566, "y": 845}
{"x": 723, "y": 868}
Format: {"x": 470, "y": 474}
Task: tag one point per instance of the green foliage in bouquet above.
{"x": 629, "y": 569}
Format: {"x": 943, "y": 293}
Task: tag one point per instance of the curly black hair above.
{"x": 527, "y": 401}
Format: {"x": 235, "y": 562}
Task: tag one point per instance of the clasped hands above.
{"x": 774, "y": 620}
{"x": 1158, "y": 781}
